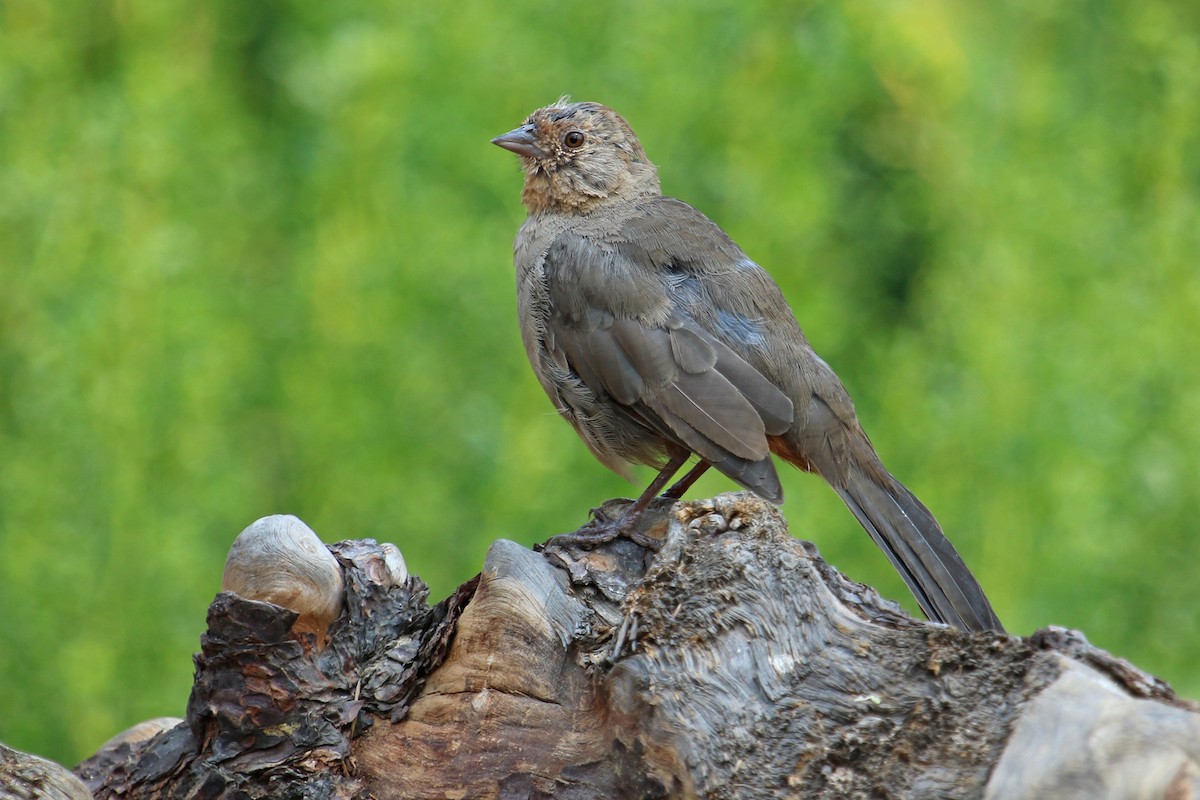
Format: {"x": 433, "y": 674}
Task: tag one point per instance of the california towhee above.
{"x": 657, "y": 338}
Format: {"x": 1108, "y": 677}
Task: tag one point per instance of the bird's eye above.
{"x": 573, "y": 139}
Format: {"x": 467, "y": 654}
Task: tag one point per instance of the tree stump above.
{"x": 731, "y": 663}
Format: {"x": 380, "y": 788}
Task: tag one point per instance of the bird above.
{"x": 658, "y": 339}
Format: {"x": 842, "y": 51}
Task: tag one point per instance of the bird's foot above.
{"x": 605, "y": 525}
{"x": 600, "y": 529}
{"x": 616, "y": 519}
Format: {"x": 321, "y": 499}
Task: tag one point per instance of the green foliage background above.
{"x": 255, "y": 258}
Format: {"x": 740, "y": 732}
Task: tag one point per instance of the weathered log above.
{"x": 27, "y": 777}
{"x": 732, "y": 663}
{"x": 280, "y": 560}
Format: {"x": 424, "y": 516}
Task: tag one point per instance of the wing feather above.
{"x": 629, "y": 339}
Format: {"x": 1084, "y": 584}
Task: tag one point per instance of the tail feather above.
{"x": 913, "y": 541}
{"x": 759, "y": 477}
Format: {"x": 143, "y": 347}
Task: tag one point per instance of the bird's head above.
{"x": 577, "y": 156}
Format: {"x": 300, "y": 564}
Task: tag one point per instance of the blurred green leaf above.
{"x": 255, "y": 258}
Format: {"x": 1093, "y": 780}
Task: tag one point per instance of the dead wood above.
{"x": 733, "y": 663}
{"x": 27, "y": 777}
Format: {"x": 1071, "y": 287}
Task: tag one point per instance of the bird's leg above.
{"x": 599, "y": 531}
{"x": 665, "y": 474}
{"x": 683, "y": 484}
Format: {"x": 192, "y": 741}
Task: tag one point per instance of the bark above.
{"x": 731, "y": 663}
{"x": 27, "y": 777}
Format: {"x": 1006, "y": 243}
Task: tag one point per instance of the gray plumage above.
{"x": 656, "y": 337}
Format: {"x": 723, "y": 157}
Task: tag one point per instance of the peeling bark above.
{"x": 732, "y": 663}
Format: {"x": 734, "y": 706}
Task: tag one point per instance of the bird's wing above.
{"x": 732, "y": 298}
{"x": 616, "y": 325}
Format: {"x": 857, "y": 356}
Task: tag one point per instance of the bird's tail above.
{"x": 913, "y": 541}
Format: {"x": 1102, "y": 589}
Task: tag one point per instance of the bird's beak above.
{"x": 521, "y": 141}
